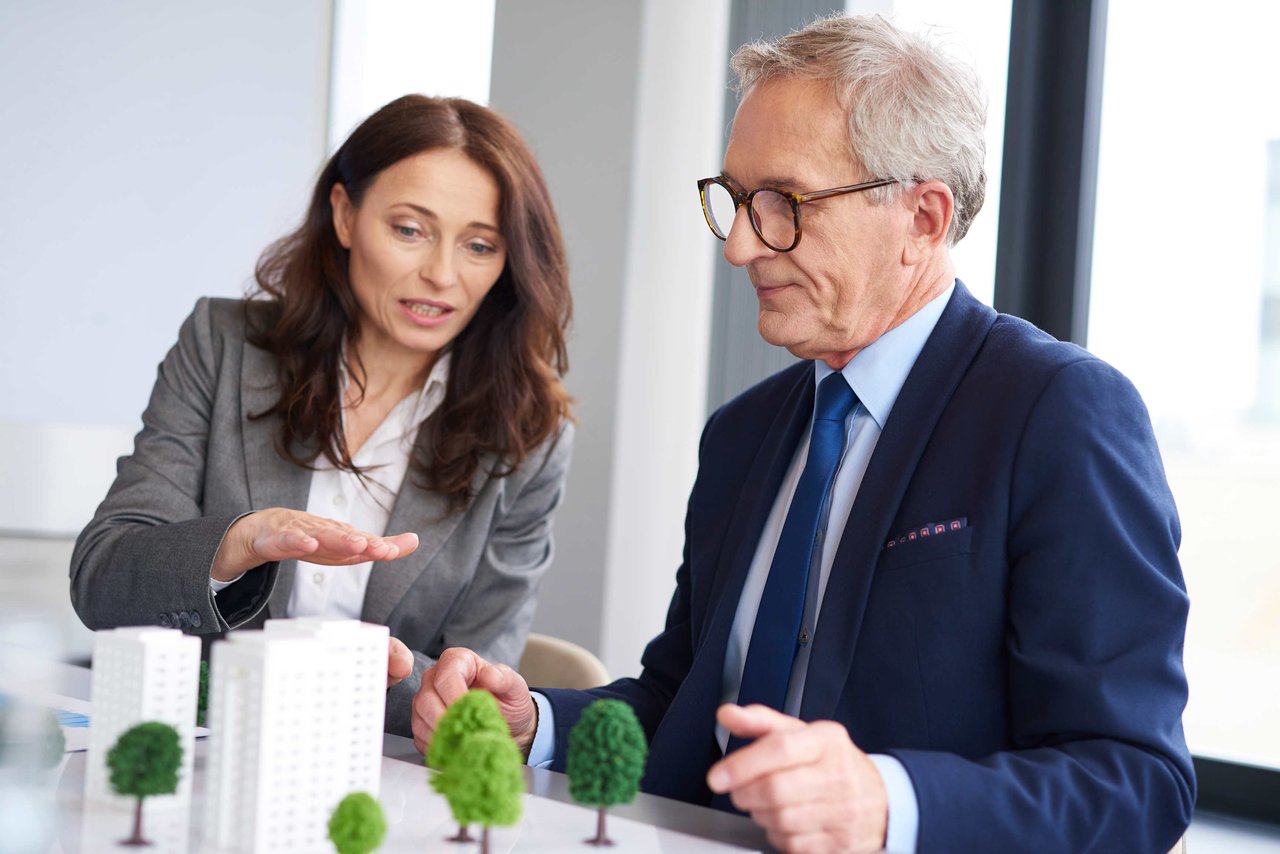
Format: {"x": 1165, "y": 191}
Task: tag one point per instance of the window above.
{"x": 1186, "y": 302}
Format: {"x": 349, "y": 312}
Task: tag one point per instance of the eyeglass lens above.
{"x": 774, "y": 220}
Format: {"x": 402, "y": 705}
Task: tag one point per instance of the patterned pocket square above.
{"x": 932, "y": 529}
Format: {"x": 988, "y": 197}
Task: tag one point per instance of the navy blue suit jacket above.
{"x": 1025, "y": 669}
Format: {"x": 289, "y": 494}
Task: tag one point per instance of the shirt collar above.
{"x": 422, "y": 404}
{"x": 880, "y": 369}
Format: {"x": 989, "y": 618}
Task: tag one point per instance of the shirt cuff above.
{"x": 543, "y": 749}
{"x": 219, "y": 586}
{"x": 904, "y": 809}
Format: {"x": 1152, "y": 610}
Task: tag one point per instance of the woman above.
{"x": 398, "y": 370}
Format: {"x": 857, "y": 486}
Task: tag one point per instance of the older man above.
{"x": 930, "y": 597}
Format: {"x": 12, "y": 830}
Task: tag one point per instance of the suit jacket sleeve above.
{"x": 496, "y": 609}
{"x": 1094, "y": 642}
{"x": 666, "y": 660}
{"x": 146, "y": 555}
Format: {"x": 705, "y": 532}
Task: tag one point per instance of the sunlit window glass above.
{"x": 1186, "y": 302}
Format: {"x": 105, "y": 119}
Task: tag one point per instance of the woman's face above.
{"x": 424, "y": 251}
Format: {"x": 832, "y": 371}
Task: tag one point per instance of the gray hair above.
{"x": 915, "y": 113}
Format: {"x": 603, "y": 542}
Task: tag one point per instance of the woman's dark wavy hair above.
{"x": 504, "y": 394}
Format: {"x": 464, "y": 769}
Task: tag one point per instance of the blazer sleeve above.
{"x": 1096, "y": 617}
{"x": 665, "y": 663}
{"x": 145, "y": 557}
{"x": 493, "y": 614}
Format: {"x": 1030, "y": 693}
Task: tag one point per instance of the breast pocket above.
{"x": 926, "y": 549}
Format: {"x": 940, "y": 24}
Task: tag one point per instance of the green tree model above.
{"x": 483, "y": 782}
{"x": 473, "y": 712}
{"x": 357, "y": 825}
{"x": 607, "y": 752}
{"x": 202, "y": 701}
{"x": 145, "y": 762}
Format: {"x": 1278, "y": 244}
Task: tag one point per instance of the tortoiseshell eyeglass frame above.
{"x": 796, "y": 200}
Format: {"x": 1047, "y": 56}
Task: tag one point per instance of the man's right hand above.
{"x": 459, "y": 670}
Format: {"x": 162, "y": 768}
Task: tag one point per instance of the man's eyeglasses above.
{"x": 774, "y": 214}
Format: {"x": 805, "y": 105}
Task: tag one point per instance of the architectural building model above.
{"x": 141, "y": 674}
{"x": 296, "y": 718}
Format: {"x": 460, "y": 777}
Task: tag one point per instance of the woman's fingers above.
{"x": 281, "y": 534}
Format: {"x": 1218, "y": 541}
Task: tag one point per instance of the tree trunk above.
{"x": 601, "y": 838}
{"x": 136, "y": 839}
{"x": 484, "y": 840}
{"x": 462, "y": 835}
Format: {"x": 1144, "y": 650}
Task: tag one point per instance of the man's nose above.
{"x": 742, "y": 245}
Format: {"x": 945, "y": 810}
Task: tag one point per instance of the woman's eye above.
{"x": 406, "y": 231}
{"x": 479, "y": 248}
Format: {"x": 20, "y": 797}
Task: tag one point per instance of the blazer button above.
{"x": 175, "y": 620}
{"x": 164, "y": 621}
{"x": 196, "y": 620}
{"x": 184, "y": 620}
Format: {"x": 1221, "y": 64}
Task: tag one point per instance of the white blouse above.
{"x": 338, "y": 591}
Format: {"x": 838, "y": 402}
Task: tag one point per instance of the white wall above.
{"x": 152, "y": 150}
{"x": 623, "y": 104}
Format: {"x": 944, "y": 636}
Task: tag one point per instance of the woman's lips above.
{"x": 426, "y": 312}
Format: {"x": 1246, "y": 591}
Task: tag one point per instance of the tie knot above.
{"x": 835, "y": 399}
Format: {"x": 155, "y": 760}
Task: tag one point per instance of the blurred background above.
{"x": 1133, "y": 206}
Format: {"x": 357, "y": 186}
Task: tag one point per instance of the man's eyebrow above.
{"x": 778, "y": 181}
{"x": 430, "y": 214}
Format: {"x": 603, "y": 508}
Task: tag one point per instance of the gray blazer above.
{"x": 200, "y": 463}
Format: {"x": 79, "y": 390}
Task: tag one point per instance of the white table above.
{"x": 418, "y": 818}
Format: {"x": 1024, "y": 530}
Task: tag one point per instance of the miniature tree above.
{"x": 357, "y": 825}
{"x": 202, "y": 700}
{"x": 607, "y": 752}
{"x": 473, "y": 712}
{"x": 483, "y": 782}
{"x": 145, "y": 762}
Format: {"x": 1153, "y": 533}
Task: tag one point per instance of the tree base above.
{"x": 599, "y": 841}
{"x": 135, "y": 842}
{"x": 461, "y": 836}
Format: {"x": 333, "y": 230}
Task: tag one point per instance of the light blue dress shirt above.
{"x": 876, "y": 375}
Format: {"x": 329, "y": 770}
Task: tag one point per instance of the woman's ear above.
{"x": 931, "y": 206}
{"x": 344, "y": 214}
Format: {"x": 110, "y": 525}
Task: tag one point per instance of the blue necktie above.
{"x": 775, "y": 640}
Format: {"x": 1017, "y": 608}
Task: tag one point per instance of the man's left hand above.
{"x": 807, "y": 784}
{"x": 399, "y": 661}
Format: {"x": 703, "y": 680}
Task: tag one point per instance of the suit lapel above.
{"x": 272, "y": 480}
{"x": 755, "y": 500}
{"x": 942, "y": 364}
{"x": 684, "y": 744}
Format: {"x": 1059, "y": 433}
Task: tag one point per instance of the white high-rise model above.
{"x": 141, "y": 674}
{"x": 296, "y": 718}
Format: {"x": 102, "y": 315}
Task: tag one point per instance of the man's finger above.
{"x": 755, "y": 720}
{"x": 785, "y": 747}
{"x": 456, "y": 672}
{"x": 502, "y": 682}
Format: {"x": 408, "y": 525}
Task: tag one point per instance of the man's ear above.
{"x": 344, "y": 214}
{"x": 931, "y": 207}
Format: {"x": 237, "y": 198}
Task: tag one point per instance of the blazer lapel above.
{"x": 758, "y": 493}
{"x": 684, "y": 743}
{"x": 938, "y": 370}
{"x": 272, "y": 480}
{"x": 427, "y": 514}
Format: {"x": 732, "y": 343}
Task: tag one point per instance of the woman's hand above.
{"x": 281, "y": 534}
